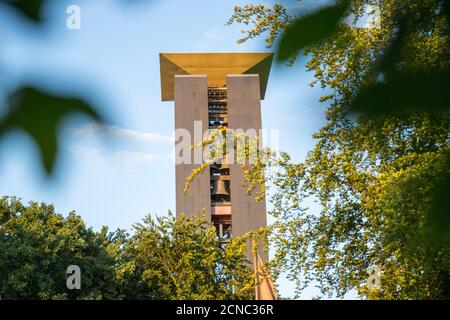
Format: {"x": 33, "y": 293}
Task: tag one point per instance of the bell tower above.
{"x": 212, "y": 90}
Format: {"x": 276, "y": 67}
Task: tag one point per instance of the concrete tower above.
{"x": 210, "y": 90}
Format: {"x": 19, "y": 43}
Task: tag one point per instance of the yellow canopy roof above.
{"x": 216, "y": 66}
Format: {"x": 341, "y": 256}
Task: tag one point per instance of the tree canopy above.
{"x": 37, "y": 245}
{"x": 187, "y": 261}
{"x": 164, "y": 258}
{"x": 380, "y": 168}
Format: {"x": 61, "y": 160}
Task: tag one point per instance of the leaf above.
{"x": 439, "y": 221}
{"x": 415, "y": 91}
{"x": 310, "y": 29}
{"x": 31, "y": 9}
{"x": 39, "y": 114}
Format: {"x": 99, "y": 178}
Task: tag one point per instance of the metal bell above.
{"x": 219, "y": 188}
{"x": 225, "y": 169}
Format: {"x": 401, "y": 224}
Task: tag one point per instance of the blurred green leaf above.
{"x": 415, "y": 91}
{"x": 310, "y": 29}
{"x": 31, "y": 9}
{"x": 439, "y": 221}
{"x": 391, "y": 56}
{"x": 39, "y": 114}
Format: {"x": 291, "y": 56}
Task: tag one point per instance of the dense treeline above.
{"x": 164, "y": 258}
{"x": 379, "y": 171}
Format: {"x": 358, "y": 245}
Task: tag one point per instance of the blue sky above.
{"x": 115, "y": 177}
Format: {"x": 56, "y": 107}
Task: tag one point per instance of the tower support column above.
{"x": 191, "y": 109}
{"x": 244, "y": 112}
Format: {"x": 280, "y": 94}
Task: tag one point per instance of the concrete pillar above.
{"x": 191, "y": 105}
{"x": 244, "y": 112}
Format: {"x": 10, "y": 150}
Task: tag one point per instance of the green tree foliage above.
{"x": 37, "y": 245}
{"x": 266, "y": 19}
{"x": 183, "y": 259}
{"x": 163, "y": 259}
{"x": 380, "y": 167}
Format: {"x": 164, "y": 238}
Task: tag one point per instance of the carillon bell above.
{"x": 225, "y": 169}
{"x": 219, "y": 188}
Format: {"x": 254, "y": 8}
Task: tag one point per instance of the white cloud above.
{"x": 124, "y": 160}
{"x": 127, "y": 156}
{"x": 207, "y": 39}
{"x": 132, "y": 160}
{"x": 92, "y": 129}
{"x": 94, "y": 154}
{"x": 308, "y": 6}
{"x": 130, "y": 154}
